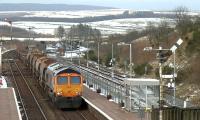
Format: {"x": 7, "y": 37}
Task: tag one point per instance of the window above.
{"x": 75, "y": 80}
{"x": 62, "y": 80}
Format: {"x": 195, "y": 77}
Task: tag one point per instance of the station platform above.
{"x": 9, "y": 109}
{"x": 111, "y": 110}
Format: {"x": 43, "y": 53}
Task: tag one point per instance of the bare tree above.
{"x": 157, "y": 34}
{"x": 60, "y": 32}
{"x": 183, "y": 21}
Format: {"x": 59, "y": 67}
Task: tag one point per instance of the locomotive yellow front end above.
{"x": 68, "y": 90}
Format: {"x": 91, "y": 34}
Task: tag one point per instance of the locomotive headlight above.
{"x": 59, "y": 93}
{"x": 78, "y": 93}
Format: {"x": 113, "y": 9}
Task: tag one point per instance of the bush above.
{"x": 165, "y": 71}
{"x": 140, "y": 69}
{"x": 194, "y": 44}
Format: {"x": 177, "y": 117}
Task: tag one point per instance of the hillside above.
{"x": 47, "y": 7}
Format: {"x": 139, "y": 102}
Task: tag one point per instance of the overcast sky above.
{"x": 130, "y": 4}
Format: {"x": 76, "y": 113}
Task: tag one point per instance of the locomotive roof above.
{"x": 66, "y": 69}
{"x": 58, "y": 68}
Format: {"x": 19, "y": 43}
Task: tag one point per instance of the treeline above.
{"x": 80, "y": 32}
{"x": 5, "y": 31}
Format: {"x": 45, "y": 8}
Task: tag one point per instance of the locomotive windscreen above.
{"x": 75, "y": 80}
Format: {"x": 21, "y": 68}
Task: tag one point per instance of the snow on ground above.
{"x": 124, "y": 25}
{"x": 68, "y": 54}
{"x": 173, "y": 13}
{"x": 4, "y": 23}
{"x": 75, "y": 53}
{"x": 74, "y": 14}
{"x": 42, "y": 27}
{"x": 36, "y": 39}
{"x": 107, "y": 27}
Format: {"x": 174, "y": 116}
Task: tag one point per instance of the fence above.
{"x": 177, "y": 114}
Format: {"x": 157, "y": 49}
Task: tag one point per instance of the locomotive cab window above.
{"x": 75, "y": 80}
{"x": 62, "y": 80}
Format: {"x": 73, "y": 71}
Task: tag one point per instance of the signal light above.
{"x": 163, "y": 56}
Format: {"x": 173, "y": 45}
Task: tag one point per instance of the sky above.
{"x": 128, "y": 4}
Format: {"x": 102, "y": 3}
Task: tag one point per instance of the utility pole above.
{"x": 112, "y": 63}
{"x": 79, "y": 61}
{"x": 98, "y": 55}
{"x": 130, "y": 60}
{"x": 161, "y": 88}
{"x": 71, "y": 48}
{"x": 87, "y": 54}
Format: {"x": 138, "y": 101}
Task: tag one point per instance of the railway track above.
{"x": 31, "y": 107}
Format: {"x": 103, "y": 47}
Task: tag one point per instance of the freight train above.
{"x": 63, "y": 84}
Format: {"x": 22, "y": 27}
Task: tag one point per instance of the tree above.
{"x": 83, "y": 32}
{"x": 159, "y": 34}
{"x": 60, "y": 32}
{"x": 183, "y": 21}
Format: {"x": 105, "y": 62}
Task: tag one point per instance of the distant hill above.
{"x": 47, "y": 7}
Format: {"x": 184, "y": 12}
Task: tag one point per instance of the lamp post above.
{"x": 130, "y": 56}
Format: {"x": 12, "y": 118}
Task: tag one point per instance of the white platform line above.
{"x": 19, "y": 114}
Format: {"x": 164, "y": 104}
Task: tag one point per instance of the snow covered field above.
{"x": 74, "y": 14}
{"x": 108, "y": 27}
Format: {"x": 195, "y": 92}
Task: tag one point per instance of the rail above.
{"x": 32, "y": 94}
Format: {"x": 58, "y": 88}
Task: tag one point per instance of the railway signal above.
{"x": 163, "y": 55}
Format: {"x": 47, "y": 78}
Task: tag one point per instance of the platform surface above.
{"x": 8, "y": 105}
{"x": 109, "y": 107}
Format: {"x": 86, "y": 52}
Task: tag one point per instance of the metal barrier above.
{"x": 117, "y": 90}
{"x": 177, "y": 114}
